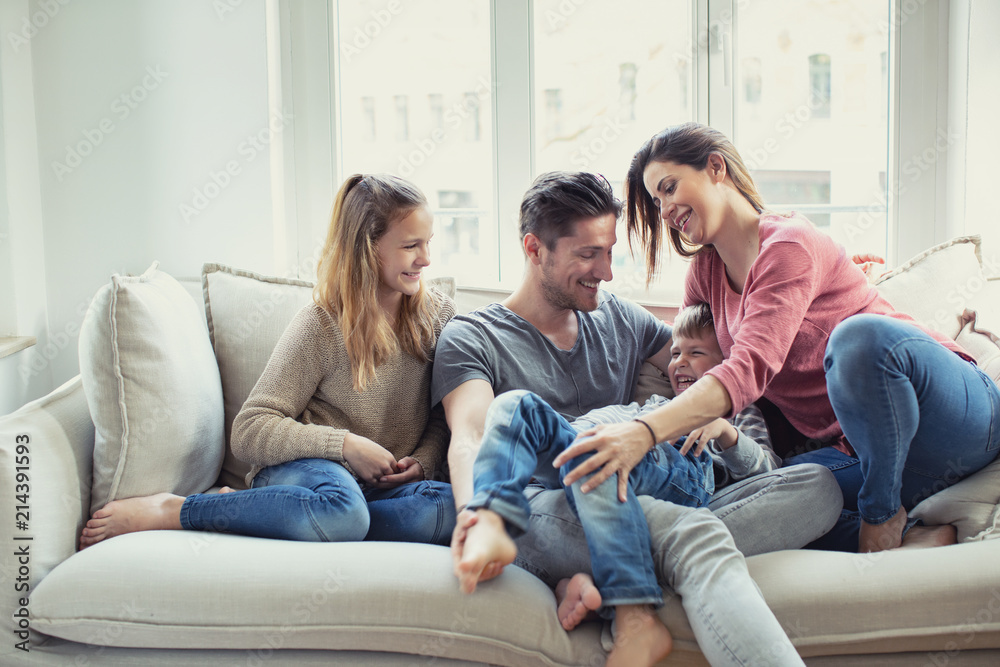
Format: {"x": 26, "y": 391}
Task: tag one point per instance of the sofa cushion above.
{"x": 230, "y": 592}
{"x": 934, "y": 286}
{"x": 246, "y": 313}
{"x": 153, "y": 389}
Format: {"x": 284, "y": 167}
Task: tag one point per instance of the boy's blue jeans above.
{"x": 524, "y": 435}
{"x": 919, "y": 417}
{"x": 316, "y": 500}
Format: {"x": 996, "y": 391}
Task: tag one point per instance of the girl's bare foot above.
{"x": 159, "y": 512}
{"x": 883, "y": 536}
{"x": 485, "y": 550}
{"x": 576, "y": 598}
{"x": 640, "y": 637}
{"x": 922, "y": 537}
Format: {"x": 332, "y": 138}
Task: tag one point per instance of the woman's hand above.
{"x": 718, "y": 429}
{"x": 617, "y": 449}
{"x": 369, "y": 460}
{"x": 410, "y": 470}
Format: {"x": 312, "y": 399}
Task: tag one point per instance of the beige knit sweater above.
{"x": 305, "y": 403}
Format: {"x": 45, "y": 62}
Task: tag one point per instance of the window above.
{"x": 801, "y": 88}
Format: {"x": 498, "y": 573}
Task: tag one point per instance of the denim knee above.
{"x": 855, "y": 339}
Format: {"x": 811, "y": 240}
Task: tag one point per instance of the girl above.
{"x": 799, "y": 324}
{"x": 338, "y": 428}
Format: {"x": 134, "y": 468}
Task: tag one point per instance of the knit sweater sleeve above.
{"x": 266, "y": 431}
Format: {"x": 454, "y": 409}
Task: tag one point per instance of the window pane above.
{"x": 603, "y": 86}
{"x": 813, "y": 123}
{"x": 415, "y": 92}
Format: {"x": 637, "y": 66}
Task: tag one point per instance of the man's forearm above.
{"x": 462, "y": 453}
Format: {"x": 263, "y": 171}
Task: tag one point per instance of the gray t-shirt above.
{"x": 496, "y": 345}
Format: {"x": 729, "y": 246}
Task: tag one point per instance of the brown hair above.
{"x": 348, "y": 275}
{"x": 687, "y": 144}
{"x": 559, "y": 199}
{"x": 694, "y": 321}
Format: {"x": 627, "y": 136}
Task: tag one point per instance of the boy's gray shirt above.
{"x": 498, "y": 346}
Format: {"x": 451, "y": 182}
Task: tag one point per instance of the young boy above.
{"x": 523, "y": 435}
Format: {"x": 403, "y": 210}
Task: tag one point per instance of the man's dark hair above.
{"x": 559, "y": 199}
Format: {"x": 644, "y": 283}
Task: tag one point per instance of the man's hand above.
{"x": 369, "y": 460}
{"x": 718, "y": 429}
{"x": 410, "y": 470}
{"x": 617, "y": 449}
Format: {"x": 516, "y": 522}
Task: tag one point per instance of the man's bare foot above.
{"x": 159, "y": 512}
{"x": 640, "y": 637}
{"x": 485, "y": 550}
{"x": 576, "y": 597}
{"x": 923, "y": 537}
{"x": 883, "y": 536}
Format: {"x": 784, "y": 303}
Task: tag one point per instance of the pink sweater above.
{"x": 773, "y": 336}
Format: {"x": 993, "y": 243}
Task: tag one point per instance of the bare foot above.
{"x": 887, "y": 535}
{"x": 640, "y": 637}
{"x": 486, "y": 550}
{"x": 226, "y": 489}
{"x": 923, "y": 537}
{"x": 159, "y": 512}
{"x": 577, "y": 597}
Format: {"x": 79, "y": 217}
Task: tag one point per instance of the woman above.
{"x": 338, "y": 427}
{"x": 799, "y": 325}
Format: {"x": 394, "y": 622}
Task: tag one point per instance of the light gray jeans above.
{"x": 699, "y": 554}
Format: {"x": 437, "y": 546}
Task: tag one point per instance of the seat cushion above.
{"x": 232, "y": 592}
{"x": 153, "y": 389}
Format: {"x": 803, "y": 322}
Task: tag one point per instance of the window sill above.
{"x": 11, "y": 344}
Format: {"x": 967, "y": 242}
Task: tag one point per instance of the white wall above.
{"x": 136, "y": 105}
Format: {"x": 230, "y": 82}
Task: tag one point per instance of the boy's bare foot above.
{"x": 158, "y": 512}
{"x": 922, "y": 537}
{"x": 484, "y": 552}
{"x": 640, "y": 637}
{"x": 883, "y": 536}
{"x": 576, "y": 598}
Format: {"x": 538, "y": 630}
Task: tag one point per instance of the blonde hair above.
{"x": 694, "y": 321}
{"x": 348, "y": 276}
{"x": 687, "y": 144}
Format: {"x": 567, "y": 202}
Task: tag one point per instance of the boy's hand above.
{"x": 718, "y": 429}
{"x": 369, "y": 460}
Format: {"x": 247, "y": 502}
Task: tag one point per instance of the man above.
{"x": 579, "y": 348}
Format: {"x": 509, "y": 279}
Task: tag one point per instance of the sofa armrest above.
{"x": 50, "y": 443}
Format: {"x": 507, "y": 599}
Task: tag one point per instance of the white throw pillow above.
{"x": 934, "y": 286}
{"x": 153, "y": 390}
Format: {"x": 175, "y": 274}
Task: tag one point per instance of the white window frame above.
{"x": 311, "y": 167}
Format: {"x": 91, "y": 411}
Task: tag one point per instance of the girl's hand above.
{"x": 719, "y": 429}
{"x": 617, "y": 449}
{"x": 369, "y": 460}
{"x": 410, "y": 470}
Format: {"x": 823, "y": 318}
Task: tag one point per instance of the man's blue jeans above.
{"x": 316, "y": 500}
{"x": 524, "y": 435}
{"x": 919, "y": 417}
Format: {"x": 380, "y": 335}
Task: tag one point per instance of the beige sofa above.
{"x": 166, "y": 391}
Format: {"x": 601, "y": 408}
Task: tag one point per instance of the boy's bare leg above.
{"x": 158, "y": 512}
{"x": 481, "y": 548}
{"x": 640, "y": 637}
{"x": 576, "y": 597}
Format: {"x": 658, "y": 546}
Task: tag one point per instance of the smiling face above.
{"x": 403, "y": 251}
{"x": 571, "y": 273}
{"x": 690, "y": 357}
{"x": 688, "y": 199}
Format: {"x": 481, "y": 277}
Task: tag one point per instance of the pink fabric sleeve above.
{"x": 785, "y": 280}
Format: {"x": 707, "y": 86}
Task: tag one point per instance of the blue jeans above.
{"x": 316, "y": 500}
{"x": 524, "y": 435}
{"x": 919, "y": 417}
